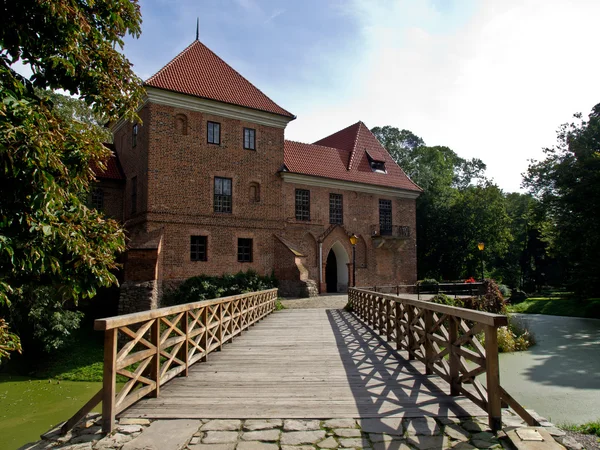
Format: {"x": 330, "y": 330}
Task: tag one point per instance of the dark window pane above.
{"x": 302, "y": 204}
{"x": 98, "y": 199}
{"x": 214, "y": 133}
{"x": 244, "y": 250}
{"x": 249, "y": 138}
{"x": 385, "y": 217}
{"x": 134, "y": 135}
{"x": 336, "y": 211}
{"x": 198, "y": 248}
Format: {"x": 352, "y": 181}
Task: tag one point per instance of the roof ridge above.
{"x": 351, "y": 160}
{"x": 314, "y": 145}
{"x": 167, "y": 65}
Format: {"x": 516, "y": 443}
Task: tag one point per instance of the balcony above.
{"x": 395, "y": 232}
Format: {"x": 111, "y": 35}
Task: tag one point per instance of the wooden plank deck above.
{"x": 311, "y": 363}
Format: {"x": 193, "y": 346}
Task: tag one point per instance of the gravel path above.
{"x": 333, "y": 301}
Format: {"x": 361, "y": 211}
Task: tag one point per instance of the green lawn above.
{"x": 559, "y": 306}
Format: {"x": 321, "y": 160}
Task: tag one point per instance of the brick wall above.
{"x": 175, "y": 169}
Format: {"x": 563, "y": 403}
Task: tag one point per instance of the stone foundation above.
{"x": 298, "y": 288}
{"x": 139, "y": 296}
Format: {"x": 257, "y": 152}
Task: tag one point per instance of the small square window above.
{"x": 249, "y": 139}
{"x": 198, "y": 248}
{"x": 222, "y": 197}
{"x": 244, "y": 250}
{"x": 302, "y": 204}
{"x": 214, "y": 133}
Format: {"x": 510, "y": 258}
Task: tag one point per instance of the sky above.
{"x": 491, "y": 79}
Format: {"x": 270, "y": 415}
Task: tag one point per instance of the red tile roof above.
{"x": 199, "y": 72}
{"x": 344, "y": 156}
{"x": 113, "y": 167}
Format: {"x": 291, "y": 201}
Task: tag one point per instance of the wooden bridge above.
{"x": 389, "y": 357}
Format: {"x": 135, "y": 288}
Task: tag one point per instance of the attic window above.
{"x": 377, "y": 165}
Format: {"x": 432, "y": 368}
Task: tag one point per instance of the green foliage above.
{"x": 492, "y": 300}
{"x": 567, "y": 183}
{"x": 278, "y": 305}
{"x": 504, "y": 290}
{"x": 9, "y": 342}
{"x": 428, "y": 282}
{"x": 458, "y": 208}
{"x": 562, "y": 306}
{"x": 49, "y": 239}
{"x": 41, "y": 319}
{"x": 513, "y": 338}
{"x": 517, "y": 296}
{"x": 586, "y": 428}
{"x": 204, "y": 287}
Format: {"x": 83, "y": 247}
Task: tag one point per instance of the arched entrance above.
{"x": 336, "y": 269}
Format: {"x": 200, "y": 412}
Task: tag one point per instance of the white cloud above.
{"x": 495, "y": 86}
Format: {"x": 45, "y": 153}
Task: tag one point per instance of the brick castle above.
{"x": 206, "y": 183}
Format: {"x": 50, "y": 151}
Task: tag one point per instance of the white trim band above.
{"x": 331, "y": 183}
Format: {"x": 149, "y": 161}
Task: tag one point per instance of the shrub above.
{"x": 504, "y": 290}
{"x": 9, "y": 342}
{"x": 492, "y": 300}
{"x": 518, "y": 296}
{"x": 43, "y": 319}
{"x": 428, "y": 282}
{"x": 443, "y": 299}
{"x": 205, "y": 287}
{"x": 512, "y": 338}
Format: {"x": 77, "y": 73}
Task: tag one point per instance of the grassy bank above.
{"x": 559, "y": 306}
{"x": 81, "y": 360}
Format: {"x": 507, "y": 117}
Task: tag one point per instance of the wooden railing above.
{"x": 444, "y": 338}
{"x": 149, "y": 348}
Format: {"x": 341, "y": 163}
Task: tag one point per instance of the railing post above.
{"x": 204, "y": 338}
{"x": 184, "y": 351}
{"x": 410, "y": 317}
{"x": 388, "y": 321}
{"x": 398, "y": 326}
{"x": 493, "y": 378}
{"x": 428, "y": 345}
{"x": 220, "y": 327}
{"x": 454, "y": 356}
{"x": 109, "y": 380}
{"x": 155, "y": 364}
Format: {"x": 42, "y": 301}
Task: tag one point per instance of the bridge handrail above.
{"x": 444, "y": 338}
{"x": 150, "y": 348}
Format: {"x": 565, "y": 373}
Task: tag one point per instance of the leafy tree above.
{"x": 457, "y": 209}
{"x": 567, "y": 183}
{"x": 49, "y": 239}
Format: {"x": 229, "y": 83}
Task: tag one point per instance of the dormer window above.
{"x": 377, "y": 165}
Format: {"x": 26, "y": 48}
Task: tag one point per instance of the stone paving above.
{"x": 294, "y": 434}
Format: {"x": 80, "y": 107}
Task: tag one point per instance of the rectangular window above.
{"x": 336, "y": 209}
{"x": 134, "y": 134}
{"x": 223, "y": 195}
{"x": 214, "y": 133}
{"x": 98, "y": 199}
{"x": 249, "y": 139}
{"x": 244, "y": 250}
{"x": 133, "y": 195}
{"x": 385, "y": 217}
{"x": 302, "y": 204}
{"x": 198, "y": 248}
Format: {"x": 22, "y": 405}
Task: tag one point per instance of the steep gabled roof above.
{"x": 199, "y": 72}
{"x": 345, "y": 156}
{"x": 113, "y": 167}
